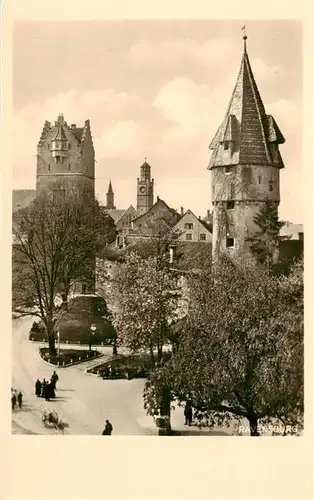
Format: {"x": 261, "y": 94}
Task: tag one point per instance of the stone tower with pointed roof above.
{"x": 145, "y": 189}
{"x": 110, "y": 198}
{"x": 66, "y": 154}
{"x": 245, "y": 164}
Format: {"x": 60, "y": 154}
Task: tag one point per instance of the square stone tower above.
{"x": 66, "y": 154}
{"x": 245, "y": 165}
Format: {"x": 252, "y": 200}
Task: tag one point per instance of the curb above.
{"x": 100, "y": 355}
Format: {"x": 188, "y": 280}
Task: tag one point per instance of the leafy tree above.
{"x": 56, "y": 240}
{"x": 147, "y": 293}
{"x": 241, "y": 351}
{"x": 264, "y": 243}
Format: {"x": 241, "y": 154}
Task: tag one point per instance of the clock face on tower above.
{"x": 142, "y": 189}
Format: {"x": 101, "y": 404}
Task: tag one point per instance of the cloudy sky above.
{"x": 155, "y": 89}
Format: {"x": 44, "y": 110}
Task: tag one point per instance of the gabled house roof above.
{"x": 115, "y": 214}
{"x": 200, "y": 221}
{"x": 152, "y": 210}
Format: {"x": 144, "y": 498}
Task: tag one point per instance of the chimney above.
{"x": 182, "y": 211}
{"x": 157, "y": 198}
{"x": 208, "y": 213}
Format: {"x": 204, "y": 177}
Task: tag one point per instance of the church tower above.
{"x": 66, "y": 154}
{"x": 110, "y": 197}
{"x": 245, "y": 165}
{"x": 145, "y": 189}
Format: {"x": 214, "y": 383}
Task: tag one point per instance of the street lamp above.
{"x": 58, "y": 336}
{"x": 92, "y": 332}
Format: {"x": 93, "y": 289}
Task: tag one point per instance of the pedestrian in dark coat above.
{"x": 51, "y": 390}
{"x": 20, "y": 399}
{"x": 38, "y": 388}
{"x": 43, "y": 388}
{"x": 54, "y": 379}
{"x": 108, "y": 429}
{"x": 188, "y": 413}
{"x": 13, "y": 400}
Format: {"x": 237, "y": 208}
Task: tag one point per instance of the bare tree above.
{"x": 56, "y": 240}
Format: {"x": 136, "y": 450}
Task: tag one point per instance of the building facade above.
{"x": 191, "y": 228}
{"x": 245, "y": 165}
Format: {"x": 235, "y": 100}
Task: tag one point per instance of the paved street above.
{"x": 83, "y": 401}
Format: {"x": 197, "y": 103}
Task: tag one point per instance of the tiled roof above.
{"x": 193, "y": 255}
{"x": 78, "y": 132}
{"x": 202, "y": 222}
{"x": 115, "y": 214}
{"x": 59, "y": 134}
{"x": 21, "y": 198}
{"x": 248, "y": 131}
{"x": 291, "y": 230}
{"x": 153, "y": 209}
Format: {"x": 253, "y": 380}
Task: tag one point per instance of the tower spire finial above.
{"x": 243, "y": 28}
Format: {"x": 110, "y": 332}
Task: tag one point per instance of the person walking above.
{"x": 20, "y": 399}
{"x": 44, "y": 388}
{"x": 188, "y": 413}
{"x": 54, "y": 379}
{"x": 13, "y": 400}
{"x": 108, "y": 429}
{"x": 38, "y": 388}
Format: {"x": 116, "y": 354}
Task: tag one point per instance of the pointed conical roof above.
{"x": 59, "y": 133}
{"x": 246, "y": 126}
{"x": 110, "y": 190}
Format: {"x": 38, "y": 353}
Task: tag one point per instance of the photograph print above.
{"x": 157, "y": 228}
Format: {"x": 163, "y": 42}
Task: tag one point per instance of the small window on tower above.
{"x": 230, "y": 205}
{"x": 69, "y": 167}
{"x": 259, "y": 179}
{"x": 229, "y": 242}
{"x": 48, "y": 168}
{"x": 48, "y": 145}
{"x": 271, "y": 187}
{"x": 226, "y": 146}
{"x": 203, "y": 237}
{"x": 228, "y": 170}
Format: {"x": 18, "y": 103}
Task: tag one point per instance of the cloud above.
{"x": 263, "y": 72}
{"x": 177, "y": 53}
{"x": 125, "y": 139}
{"x": 103, "y": 107}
